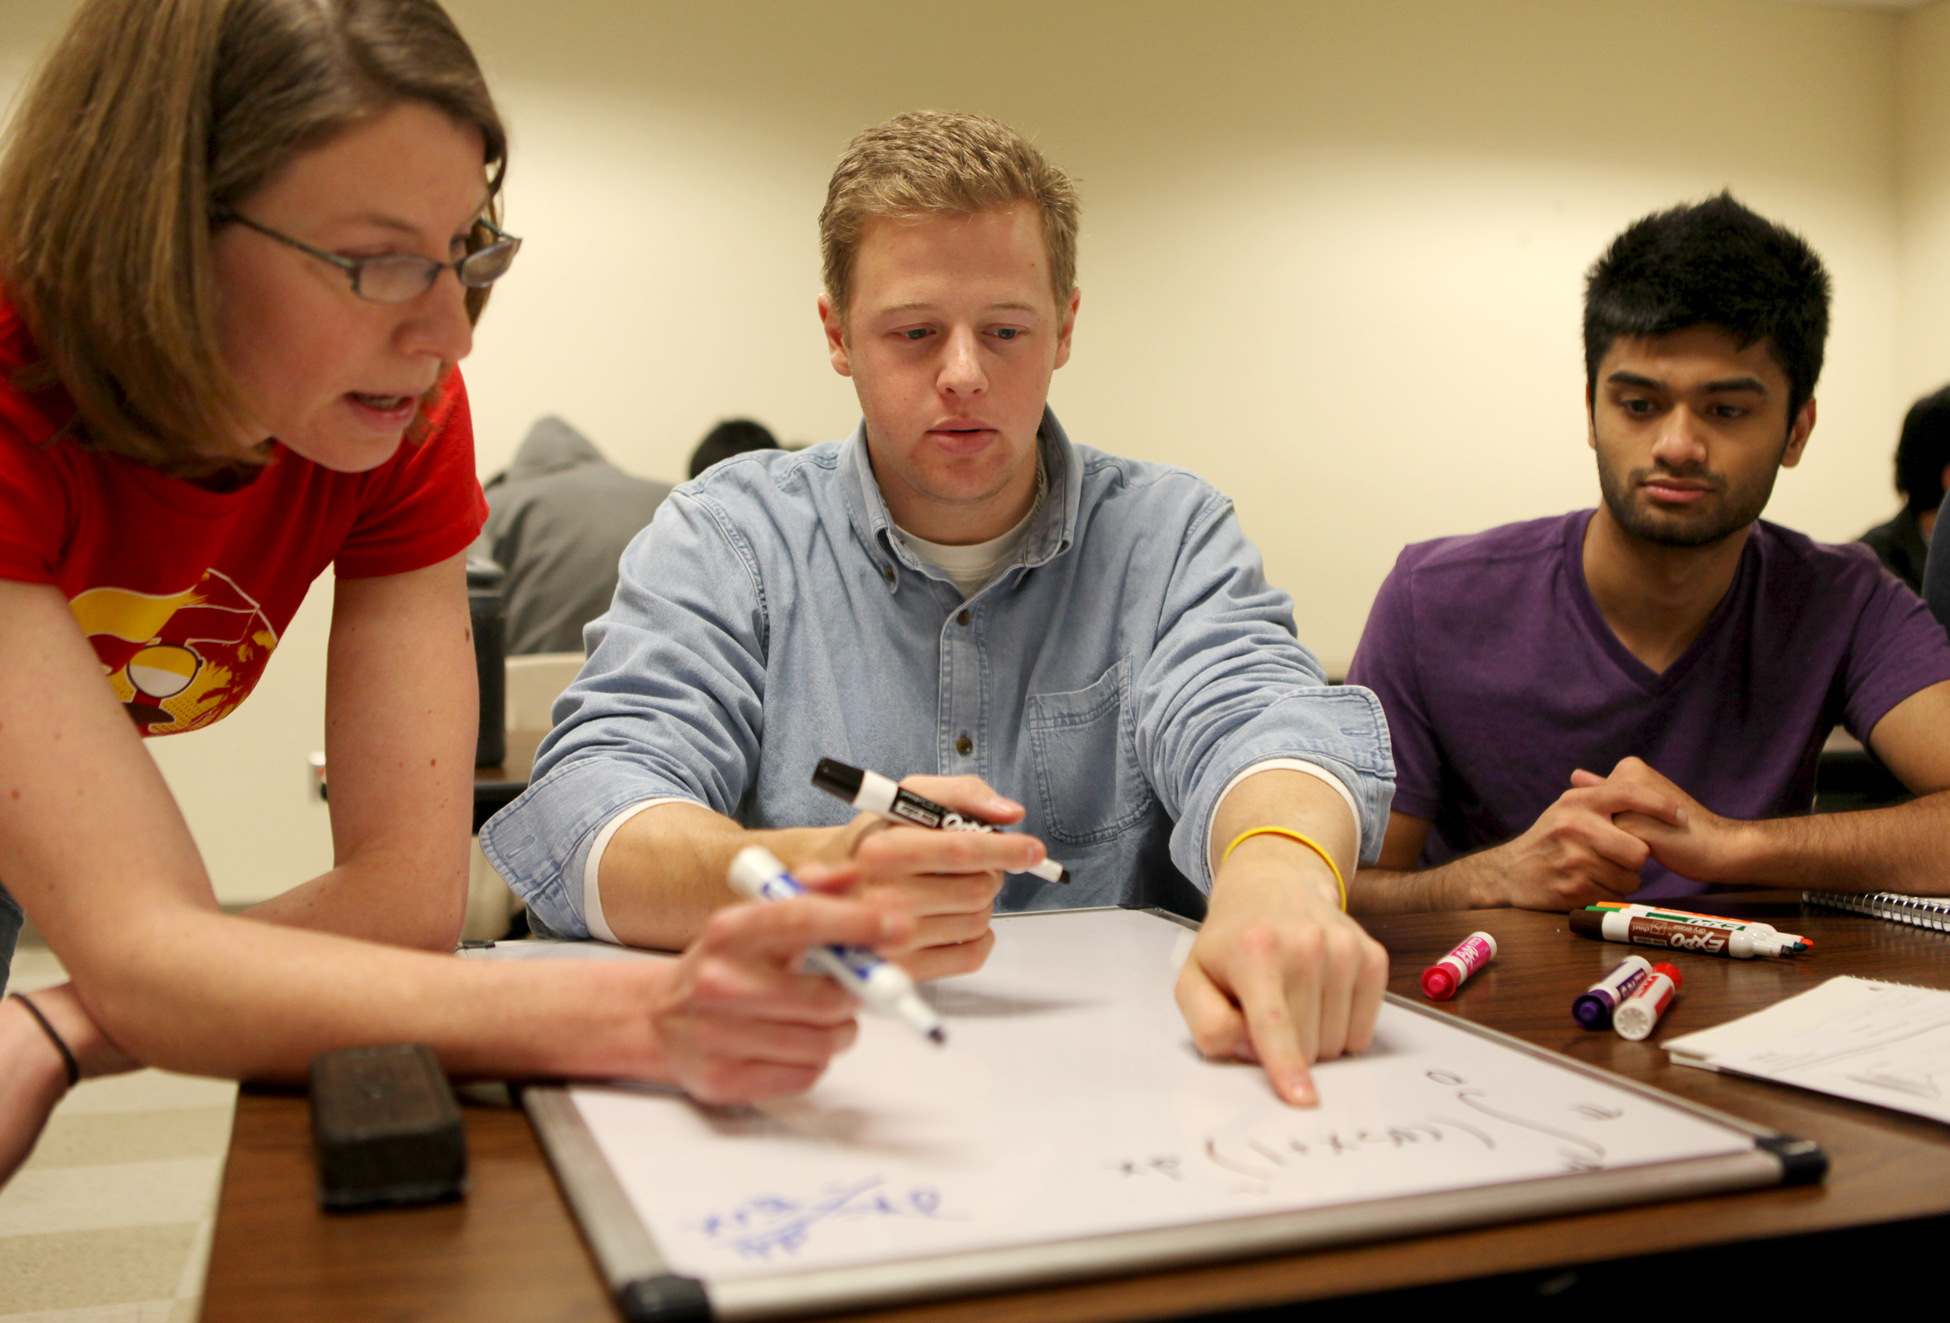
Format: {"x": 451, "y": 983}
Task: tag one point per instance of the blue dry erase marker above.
{"x": 882, "y": 985}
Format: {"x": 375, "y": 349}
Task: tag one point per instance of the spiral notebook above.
{"x": 1922, "y": 911}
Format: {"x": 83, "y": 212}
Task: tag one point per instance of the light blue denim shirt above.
{"x": 1114, "y": 678}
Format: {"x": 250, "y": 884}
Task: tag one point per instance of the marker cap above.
{"x": 1635, "y": 1019}
{"x": 1051, "y": 871}
{"x": 1440, "y": 980}
{"x": 752, "y": 869}
{"x": 838, "y": 779}
{"x": 1594, "y": 1008}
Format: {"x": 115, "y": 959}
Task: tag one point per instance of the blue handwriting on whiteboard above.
{"x": 769, "y": 1224}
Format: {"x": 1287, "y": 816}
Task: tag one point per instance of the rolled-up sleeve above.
{"x": 1228, "y": 685}
{"x": 668, "y": 706}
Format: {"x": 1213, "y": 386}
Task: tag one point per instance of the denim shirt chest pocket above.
{"x": 1084, "y": 745}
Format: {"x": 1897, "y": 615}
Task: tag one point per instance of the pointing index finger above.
{"x": 1281, "y": 1027}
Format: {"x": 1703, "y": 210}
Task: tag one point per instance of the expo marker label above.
{"x": 1789, "y": 943}
{"x": 1642, "y": 930}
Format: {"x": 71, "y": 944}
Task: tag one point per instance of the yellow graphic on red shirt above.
{"x": 182, "y": 661}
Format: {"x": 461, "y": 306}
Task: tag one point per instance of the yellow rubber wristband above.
{"x": 1292, "y": 835}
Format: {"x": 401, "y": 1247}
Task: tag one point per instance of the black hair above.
{"x": 731, "y": 438}
{"x": 1923, "y": 451}
{"x": 1712, "y": 263}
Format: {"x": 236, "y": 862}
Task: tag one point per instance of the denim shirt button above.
{"x": 962, "y": 619}
{"x": 887, "y": 573}
{"x": 964, "y": 746}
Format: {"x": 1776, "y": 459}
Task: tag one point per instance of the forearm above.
{"x": 32, "y": 1079}
{"x": 401, "y": 898}
{"x": 1296, "y": 802}
{"x": 1464, "y": 884}
{"x": 284, "y": 995}
{"x": 1905, "y": 848}
{"x": 400, "y": 707}
{"x": 662, "y": 876}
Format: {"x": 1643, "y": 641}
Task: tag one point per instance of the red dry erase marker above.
{"x": 1440, "y": 980}
{"x": 1640, "y": 1011}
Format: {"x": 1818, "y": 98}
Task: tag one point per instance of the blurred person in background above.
{"x": 1922, "y": 467}
{"x": 558, "y": 519}
{"x": 733, "y": 437}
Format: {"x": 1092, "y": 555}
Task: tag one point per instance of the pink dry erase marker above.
{"x": 1440, "y": 980}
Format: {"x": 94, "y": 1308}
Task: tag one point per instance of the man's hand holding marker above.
{"x": 888, "y": 799}
{"x": 948, "y": 874}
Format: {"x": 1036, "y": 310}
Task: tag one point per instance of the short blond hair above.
{"x": 943, "y": 163}
{"x": 147, "y": 118}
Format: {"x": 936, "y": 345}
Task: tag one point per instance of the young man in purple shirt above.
{"x": 1630, "y": 701}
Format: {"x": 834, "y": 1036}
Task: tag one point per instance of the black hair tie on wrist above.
{"x": 67, "y": 1057}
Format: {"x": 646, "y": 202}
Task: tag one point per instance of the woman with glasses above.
{"x": 243, "y": 244}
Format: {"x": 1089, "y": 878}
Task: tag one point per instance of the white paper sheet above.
{"x": 1882, "y": 1043}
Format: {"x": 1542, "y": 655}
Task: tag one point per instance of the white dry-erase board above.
{"x": 1069, "y": 1129}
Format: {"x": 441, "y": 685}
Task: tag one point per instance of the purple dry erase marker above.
{"x": 1595, "y": 1008}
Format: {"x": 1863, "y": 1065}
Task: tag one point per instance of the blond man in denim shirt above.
{"x": 1027, "y": 630}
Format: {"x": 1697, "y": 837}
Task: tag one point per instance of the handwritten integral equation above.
{"x": 780, "y": 1225}
{"x": 1277, "y": 1152}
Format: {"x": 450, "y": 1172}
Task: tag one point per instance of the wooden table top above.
{"x": 511, "y": 1251}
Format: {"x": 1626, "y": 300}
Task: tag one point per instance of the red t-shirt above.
{"x": 184, "y": 592}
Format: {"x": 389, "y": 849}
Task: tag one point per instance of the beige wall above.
{"x": 1923, "y": 334}
{"x": 1331, "y": 256}
{"x": 1331, "y": 253}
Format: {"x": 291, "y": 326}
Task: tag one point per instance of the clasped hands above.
{"x": 1589, "y": 846}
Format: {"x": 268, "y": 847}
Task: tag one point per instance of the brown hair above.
{"x": 943, "y": 163}
{"x": 147, "y": 117}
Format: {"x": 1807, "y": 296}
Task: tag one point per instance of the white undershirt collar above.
{"x": 971, "y": 567}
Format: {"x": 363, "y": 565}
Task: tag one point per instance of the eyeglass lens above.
{"x": 398, "y": 279}
{"x": 480, "y": 269}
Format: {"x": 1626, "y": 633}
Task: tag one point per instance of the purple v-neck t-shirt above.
{"x": 1499, "y": 677}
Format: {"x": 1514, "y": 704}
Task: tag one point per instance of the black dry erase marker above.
{"x": 873, "y": 793}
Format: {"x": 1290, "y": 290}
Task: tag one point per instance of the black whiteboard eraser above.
{"x": 665, "y": 1298}
{"x": 385, "y": 1128}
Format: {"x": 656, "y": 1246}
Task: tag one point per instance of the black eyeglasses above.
{"x": 400, "y": 277}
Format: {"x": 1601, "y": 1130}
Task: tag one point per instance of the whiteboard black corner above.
{"x": 1802, "y": 1161}
{"x": 665, "y": 1298}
